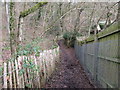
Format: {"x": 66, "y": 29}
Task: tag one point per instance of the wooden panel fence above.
{"x": 100, "y": 57}
{"x": 29, "y": 71}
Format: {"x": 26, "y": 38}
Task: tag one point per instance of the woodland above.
{"x": 33, "y": 28}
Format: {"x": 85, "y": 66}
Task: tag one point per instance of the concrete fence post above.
{"x": 119, "y": 59}
{"x": 85, "y": 55}
{"x": 118, "y": 18}
{"x": 96, "y": 48}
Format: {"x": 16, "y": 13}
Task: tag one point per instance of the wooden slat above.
{"x": 27, "y": 78}
{"x": 10, "y": 72}
{"x": 49, "y": 65}
{"x": 31, "y": 70}
{"x": 40, "y": 64}
{"x": 17, "y": 76}
{"x": 51, "y": 61}
{"x": 28, "y": 71}
{"x": 43, "y": 67}
{"x": 5, "y": 76}
{"x": 46, "y": 66}
{"x": 1, "y": 65}
{"x": 19, "y": 66}
{"x": 54, "y": 57}
{"x": 39, "y": 72}
{"x": 22, "y": 76}
{"x": 44, "y": 70}
{"x": 42, "y": 80}
{"x": 32, "y": 84}
{"x": 14, "y": 75}
{"x": 25, "y": 74}
{"x": 35, "y": 61}
{"x": 44, "y": 61}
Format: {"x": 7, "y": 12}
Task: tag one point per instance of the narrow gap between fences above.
{"x": 68, "y": 73}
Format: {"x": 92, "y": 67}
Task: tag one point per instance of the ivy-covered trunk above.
{"x": 12, "y": 29}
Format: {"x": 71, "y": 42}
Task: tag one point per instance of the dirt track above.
{"x": 69, "y": 73}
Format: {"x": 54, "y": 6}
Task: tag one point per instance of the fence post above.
{"x": 118, "y": 18}
{"x": 96, "y": 48}
{"x": 119, "y": 59}
{"x": 85, "y": 55}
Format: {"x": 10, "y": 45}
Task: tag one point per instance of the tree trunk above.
{"x": 7, "y": 14}
{"x": 12, "y": 29}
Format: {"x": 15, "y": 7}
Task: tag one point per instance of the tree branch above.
{"x": 32, "y": 9}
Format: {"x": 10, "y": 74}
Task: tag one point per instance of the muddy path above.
{"x": 68, "y": 73}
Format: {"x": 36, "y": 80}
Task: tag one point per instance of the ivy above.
{"x": 29, "y": 49}
{"x": 54, "y": 46}
{"x": 1, "y": 70}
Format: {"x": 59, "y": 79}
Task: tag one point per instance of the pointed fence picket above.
{"x": 12, "y": 78}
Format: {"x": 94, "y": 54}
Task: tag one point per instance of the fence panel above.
{"x": 108, "y": 61}
{"x": 100, "y": 58}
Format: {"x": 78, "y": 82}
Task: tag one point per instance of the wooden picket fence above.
{"x": 16, "y": 75}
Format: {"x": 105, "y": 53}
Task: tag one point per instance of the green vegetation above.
{"x": 54, "y": 46}
{"x": 28, "y": 64}
{"x": 110, "y": 29}
{"x": 70, "y": 38}
{"x": 1, "y": 70}
{"x": 30, "y": 48}
{"x": 12, "y": 29}
{"x": 102, "y": 25}
{"x": 113, "y": 28}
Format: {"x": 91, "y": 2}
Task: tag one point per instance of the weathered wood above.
{"x": 5, "y": 75}
{"x": 100, "y": 55}
{"x": 35, "y": 61}
{"x": 29, "y": 76}
{"x": 25, "y": 73}
{"x": 47, "y": 65}
{"x": 39, "y": 68}
{"x": 43, "y": 71}
{"x": 17, "y": 76}
{"x": 19, "y": 66}
{"x": 14, "y": 76}
{"x": 10, "y": 76}
{"x": 22, "y": 76}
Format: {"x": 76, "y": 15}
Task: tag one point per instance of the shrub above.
{"x": 69, "y": 38}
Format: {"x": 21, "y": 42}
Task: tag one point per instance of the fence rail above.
{"x": 29, "y": 71}
{"x": 99, "y": 55}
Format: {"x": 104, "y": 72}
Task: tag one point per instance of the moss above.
{"x": 11, "y": 5}
{"x": 11, "y": 16}
{"x": 32, "y": 9}
{"x": 110, "y": 29}
{"x": 91, "y": 38}
{"x": 81, "y": 42}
